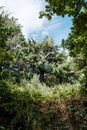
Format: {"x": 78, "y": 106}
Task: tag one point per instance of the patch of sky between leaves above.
{"x": 58, "y": 28}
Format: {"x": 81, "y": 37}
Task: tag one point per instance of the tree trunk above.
{"x": 41, "y": 76}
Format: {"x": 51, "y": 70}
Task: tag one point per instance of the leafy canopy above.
{"x": 63, "y": 7}
{"x": 76, "y": 42}
{"x": 10, "y": 32}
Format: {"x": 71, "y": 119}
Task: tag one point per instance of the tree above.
{"x": 5, "y": 32}
{"x": 76, "y": 42}
{"x": 44, "y": 59}
{"x": 9, "y": 33}
{"x": 32, "y": 58}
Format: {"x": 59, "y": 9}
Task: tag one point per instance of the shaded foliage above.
{"x": 9, "y": 32}
{"x": 27, "y": 108}
{"x": 63, "y": 7}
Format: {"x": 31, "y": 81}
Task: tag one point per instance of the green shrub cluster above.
{"x": 38, "y": 107}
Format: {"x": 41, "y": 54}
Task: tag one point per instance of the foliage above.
{"x": 45, "y": 60}
{"x": 9, "y": 30}
{"x": 20, "y": 59}
{"x": 32, "y": 108}
{"x": 63, "y": 7}
{"x": 76, "y": 42}
{"x": 33, "y": 105}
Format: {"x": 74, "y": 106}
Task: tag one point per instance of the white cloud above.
{"x": 48, "y": 28}
{"x": 51, "y": 25}
{"x": 27, "y": 12}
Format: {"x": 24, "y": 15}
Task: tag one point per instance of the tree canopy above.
{"x": 63, "y": 7}
{"x": 10, "y": 33}
{"x": 76, "y": 42}
{"x": 44, "y": 59}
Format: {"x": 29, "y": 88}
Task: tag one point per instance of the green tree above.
{"x": 45, "y": 60}
{"x": 10, "y": 31}
{"x": 76, "y": 42}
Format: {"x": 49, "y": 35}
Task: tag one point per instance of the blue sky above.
{"x": 58, "y": 28}
{"x": 27, "y": 12}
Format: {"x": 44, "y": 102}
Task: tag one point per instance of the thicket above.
{"x": 38, "y": 107}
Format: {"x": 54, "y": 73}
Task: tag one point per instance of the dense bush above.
{"x": 41, "y": 107}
